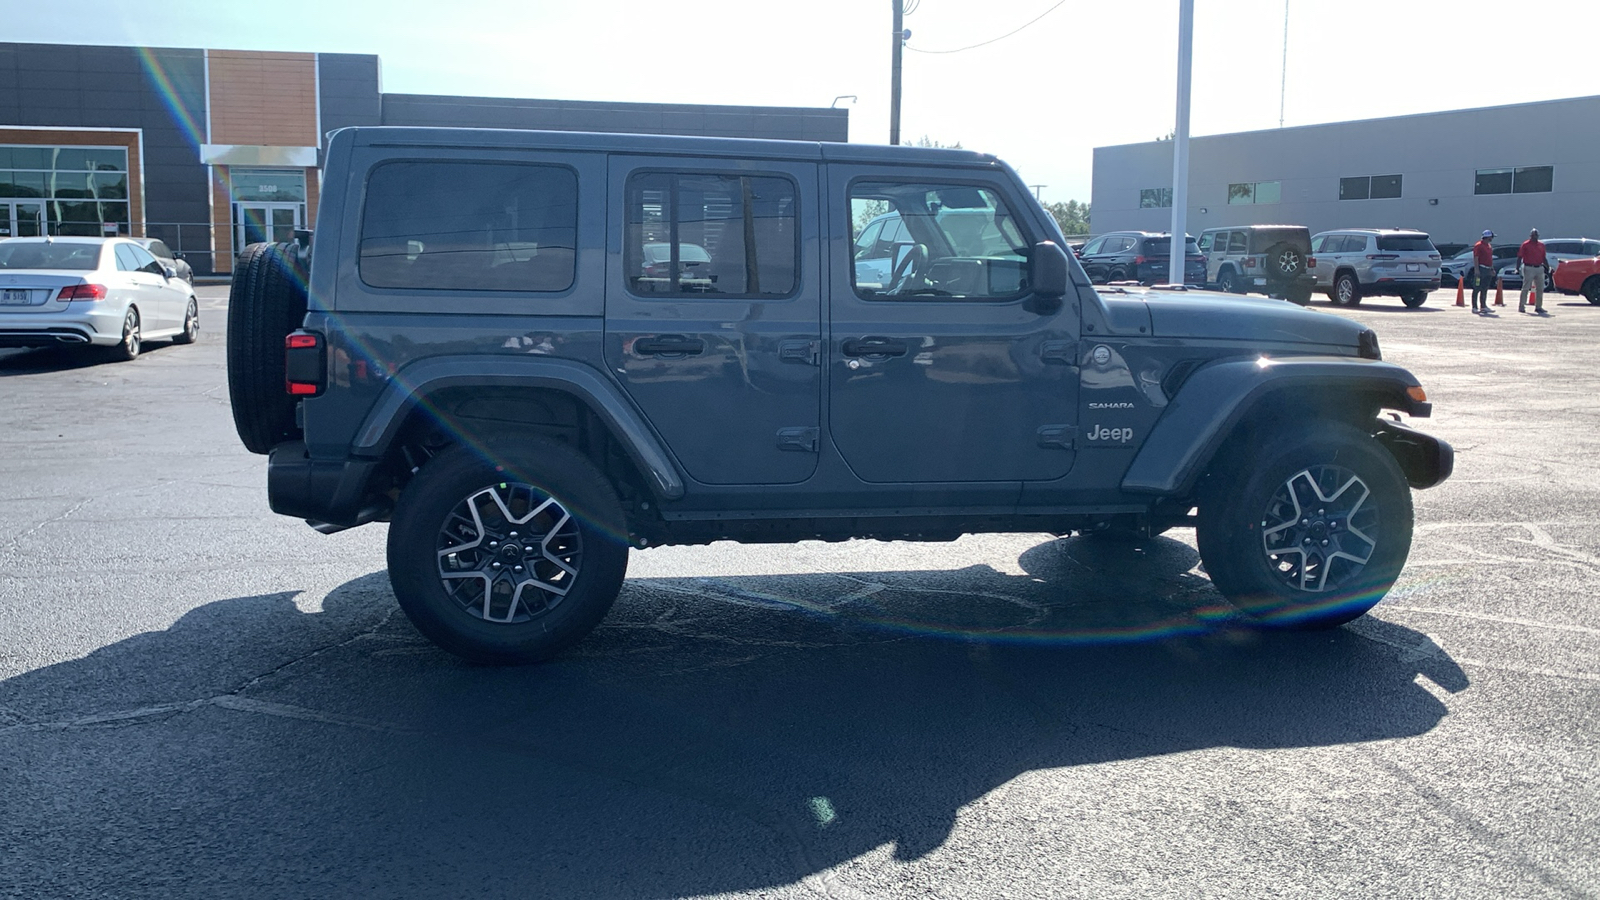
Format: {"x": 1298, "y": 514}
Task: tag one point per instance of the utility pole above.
{"x": 1036, "y": 189}
{"x": 1180, "y": 144}
{"x": 1283, "y": 76}
{"x": 894, "y": 78}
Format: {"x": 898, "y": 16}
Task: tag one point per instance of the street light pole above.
{"x": 894, "y": 78}
{"x": 1180, "y": 144}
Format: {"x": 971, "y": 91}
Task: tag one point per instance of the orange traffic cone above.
{"x": 1460, "y": 284}
{"x": 1499, "y": 291}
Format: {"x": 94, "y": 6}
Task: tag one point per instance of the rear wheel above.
{"x": 191, "y": 325}
{"x": 1300, "y": 296}
{"x": 1591, "y": 289}
{"x": 1414, "y": 299}
{"x": 132, "y": 338}
{"x": 509, "y": 556}
{"x": 266, "y": 302}
{"x": 1228, "y": 282}
{"x": 1346, "y": 292}
{"x": 1117, "y": 275}
{"x": 1309, "y": 530}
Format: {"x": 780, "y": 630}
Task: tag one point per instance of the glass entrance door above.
{"x": 21, "y": 219}
{"x": 258, "y": 222}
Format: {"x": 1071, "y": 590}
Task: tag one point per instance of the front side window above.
{"x": 725, "y": 235}
{"x": 1205, "y": 242}
{"x": 470, "y": 226}
{"x": 957, "y": 242}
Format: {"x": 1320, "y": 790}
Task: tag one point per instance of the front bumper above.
{"x": 1425, "y": 459}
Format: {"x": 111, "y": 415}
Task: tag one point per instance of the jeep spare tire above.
{"x": 265, "y": 303}
{"x": 1284, "y": 261}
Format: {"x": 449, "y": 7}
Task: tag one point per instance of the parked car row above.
{"x": 1283, "y": 261}
{"x": 107, "y": 293}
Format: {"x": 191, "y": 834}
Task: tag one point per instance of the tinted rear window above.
{"x": 1261, "y": 239}
{"x": 1163, "y": 246}
{"x": 56, "y": 255}
{"x": 1418, "y": 243}
{"x": 470, "y": 226}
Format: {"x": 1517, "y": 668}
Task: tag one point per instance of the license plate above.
{"x": 15, "y": 297}
{"x": 1413, "y": 267}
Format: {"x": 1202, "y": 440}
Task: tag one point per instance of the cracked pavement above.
{"x": 201, "y": 699}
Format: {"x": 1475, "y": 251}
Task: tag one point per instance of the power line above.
{"x": 1002, "y": 37}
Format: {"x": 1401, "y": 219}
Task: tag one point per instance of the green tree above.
{"x": 1072, "y": 216}
{"x": 926, "y": 141}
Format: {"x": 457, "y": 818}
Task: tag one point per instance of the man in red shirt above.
{"x": 1534, "y": 266}
{"x": 1482, "y": 272}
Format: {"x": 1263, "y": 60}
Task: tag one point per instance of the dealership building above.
{"x": 1451, "y": 174}
{"x": 211, "y": 150}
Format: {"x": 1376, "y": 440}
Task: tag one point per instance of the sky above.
{"x": 1083, "y": 74}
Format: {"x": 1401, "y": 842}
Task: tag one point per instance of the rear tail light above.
{"x": 1249, "y": 262}
{"x": 83, "y": 292}
{"x": 1311, "y": 262}
{"x": 305, "y": 367}
{"x": 1138, "y": 260}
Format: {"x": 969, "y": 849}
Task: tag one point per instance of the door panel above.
{"x": 933, "y": 385}
{"x": 718, "y": 341}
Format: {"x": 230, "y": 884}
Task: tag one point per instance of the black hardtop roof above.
{"x": 659, "y": 144}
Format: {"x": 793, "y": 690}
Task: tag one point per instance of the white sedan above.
{"x": 82, "y": 291}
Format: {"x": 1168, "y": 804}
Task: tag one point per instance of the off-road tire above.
{"x": 429, "y": 537}
{"x": 1228, "y": 282}
{"x": 266, "y": 302}
{"x": 1263, "y": 523}
{"x": 1414, "y": 299}
{"x": 1285, "y": 262}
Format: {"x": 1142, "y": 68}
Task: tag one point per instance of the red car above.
{"x": 1579, "y": 276}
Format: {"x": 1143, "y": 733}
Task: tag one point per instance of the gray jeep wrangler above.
{"x": 531, "y": 351}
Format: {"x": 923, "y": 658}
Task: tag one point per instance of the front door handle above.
{"x": 873, "y": 347}
{"x": 669, "y": 345}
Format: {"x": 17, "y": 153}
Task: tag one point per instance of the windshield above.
{"x": 54, "y": 255}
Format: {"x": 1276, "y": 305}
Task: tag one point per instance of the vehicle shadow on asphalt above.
{"x": 716, "y": 734}
{"x": 63, "y": 359}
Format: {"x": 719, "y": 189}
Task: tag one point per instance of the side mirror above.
{"x": 1048, "y": 270}
{"x": 169, "y": 272}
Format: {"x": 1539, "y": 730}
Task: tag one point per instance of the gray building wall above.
{"x": 774, "y": 122}
{"x": 1437, "y": 155}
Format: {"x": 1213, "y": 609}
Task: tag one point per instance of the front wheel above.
{"x": 509, "y": 556}
{"x": 1308, "y": 530}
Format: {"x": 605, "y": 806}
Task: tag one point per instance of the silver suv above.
{"x": 1353, "y": 263}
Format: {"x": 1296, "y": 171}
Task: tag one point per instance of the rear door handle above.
{"x": 669, "y": 345}
{"x": 873, "y": 347}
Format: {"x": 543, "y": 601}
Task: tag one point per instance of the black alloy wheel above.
{"x": 1309, "y": 530}
{"x": 507, "y": 556}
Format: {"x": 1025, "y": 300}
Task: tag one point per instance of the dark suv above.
{"x": 490, "y": 350}
{"x": 1142, "y": 256}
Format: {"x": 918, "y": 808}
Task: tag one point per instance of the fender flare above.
{"x": 416, "y": 381}
{"x": 1219, "y": 395}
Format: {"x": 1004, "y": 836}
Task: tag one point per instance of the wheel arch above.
{"x": 471, "y": 399}
{"x": 1234, "y": 400}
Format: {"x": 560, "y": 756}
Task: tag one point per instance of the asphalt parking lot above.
{"x": 201, "y": 699}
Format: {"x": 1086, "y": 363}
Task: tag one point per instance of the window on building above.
{"x": 1155, "y": 198}
{"x": 1533, "y": 180}
{"x": 958, "y": 242}
{"x": 1254, "y": 192}
{"x": 470, "y": 226}
{"x": 84, "y": 190}
{"x": 723, "y": 235}
{"x": 1369, "y": 187}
